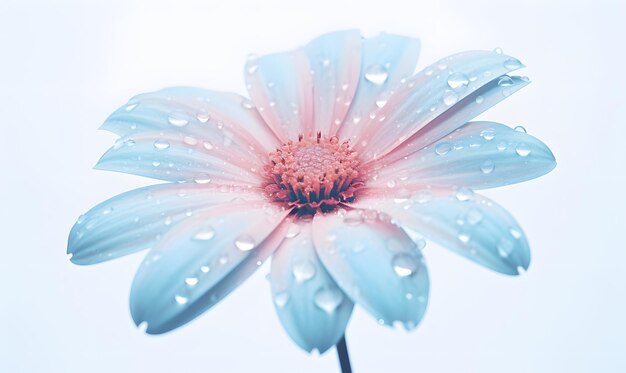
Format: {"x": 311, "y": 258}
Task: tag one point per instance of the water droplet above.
{"x": 177, "y": 120}
{"x": 202, "y": 178}
{"x": 458, "y": 80}
{"x": 505, "y": 247}
{"x": 487, "y": 167}
{"x": 205, "y": 234}
{"x": 328, "y": 298}
{"x": 203, "y": 116}
{"x": 523, "y": 150}
{"x": 520, "y": 129}
{"x": 161, "y": 144}
{"x": 391, "y": 183}
{"x": 443, "y": 148}
{"x": 252, "y": 68}
{"x": 515, "y": 233}
{"x": 293, "y": 230}
{"x": 501, "y": 146}
{"x": 244, "y": 242}
{"x": 191, "y": 281}
{"x": 247, "y": 104}
{"x": 474, "y": 217}
{"x": 464, "y": 237}
{"x": 408, "y": 296}
{"x": 205, "y": 269}
{"x": 181, "y": 299}
{"x": 405, "y": 264}
{"x": 376, "y": 74}
{"x": 488, "y": 134}
{"x": 130, "y": 107}
{"x": 208, "y": 146}
{"x": 303, "y": 270}
{"x": 498, "y": 50}
{"x": 512, "y": 64}
{"x": 107, "y": 210}
{"x": 505, "y": 81}
{"x": 450, "y": 98}
{"x": 190, "y": 140}
{"x": 480, "y": 99}
{"x": 464, "y": 194}
{"x": 423, "y": 196}
{"x": 281, "y": 299}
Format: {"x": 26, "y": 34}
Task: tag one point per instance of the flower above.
{"x": 339, "y": 166}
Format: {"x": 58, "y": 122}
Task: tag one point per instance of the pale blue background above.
{"x": 65, "y": 67}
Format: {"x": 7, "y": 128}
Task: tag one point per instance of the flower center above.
{"x": 313, "y": 173}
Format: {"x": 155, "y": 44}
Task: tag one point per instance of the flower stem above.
{"x": 344, "y": 358}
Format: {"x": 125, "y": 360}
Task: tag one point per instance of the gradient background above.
{"x": 65, "y": 67}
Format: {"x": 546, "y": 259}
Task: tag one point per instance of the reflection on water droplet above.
{"x": 161, "y": 144}
{"x": 458, "y": 80}
{"x": 244, "y": 242}
{"x": 205, "y": 234}
{"x": 523, "y": 150}
{"x": 328, "y": 298}
{"x": 515, "y": 233}
{"x": 181, "y": 299}
{"x": 191, "y": 281}
{"x": 487, "y": 167}
{"x": 405, "y": 264}
{"x": 464, "y": 237}
{"x": 281, "y": 299}
{"x": 303, "y": 270}
{"x": 505, "y": 247}
{"x": 376, "y": 74}
{"x": 443, "y": 148}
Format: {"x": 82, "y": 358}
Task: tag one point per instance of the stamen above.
{"x": 313, "y": 173}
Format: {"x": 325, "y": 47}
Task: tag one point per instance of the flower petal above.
{"x": 310, "y": 305}
{"x": 462, "y": 112}
{"x": 387, "y": 60}
{"x": 375, "y": 263}
{"x": 463, "y": 222}
{"x": 306, "y": 90}
{"x": 201, "y": 261}
{"x": 478, "y": 155}
{"x": 176, "y": 157}
{"x": 211, "y": 116}
{"x": 429, "y": 94}
{"x": 135, "y": 220}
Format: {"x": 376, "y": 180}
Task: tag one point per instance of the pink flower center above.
{"x": 313, "y": 173}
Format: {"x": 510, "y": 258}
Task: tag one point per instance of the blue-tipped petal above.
{"x": 178, "y": 158}
{"x": 387, "y": 60}
{"x": 478, "y": 155}
{"x": 310, "y": 305}
{"x": 429, "y": 94}
{"x": 202, "y": 260}
{"x": 461, "y": 221}
{"x": 462, "y": 112}
{"x": 375, "y": 263}
{"x": 308, "y": 89}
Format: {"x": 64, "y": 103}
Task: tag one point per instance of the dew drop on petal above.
{"x": 497, "y": 50}
{"x": 404, "y": 264}
{"x": 458, "y": 80}
{"x": 161, "y": 144}
{"x": 464, "y": 237}
{"x": 520, "y": 129}
{"x": 244, "y": 242}
{"x": 501, "y": 146}
{"x": 488, "y": 134}
{"x": 443, "y": 148}
{"x": 487, "y": 167}
{"x": 515, "y": 233}
{"x": 512, "y": 64}
{"x": 180, "y": 299}
{"x": 505, "y": 247}
{"x": 191, "y": 281}
{"x": 203, "y": 116}
{"x": 505, "y": 81}
{"x": 205, "y": 234}
{"x": 328, "y": 299}
{"x": 479, "y": 99}
{"x": 190, "y": 140}
{"x": 202, "y": 178}
{"x": 464, "y": 194}
{"x": 376, "y": 74}
{"x": 303, "y": 270}
{"x": 450, "y": 98}
{"x": 281, "y": 299}
{"x": 523, "y": 150}
{"x": 177, "y": 120}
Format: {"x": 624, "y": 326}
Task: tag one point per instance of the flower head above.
{"x": 339, "y": 166}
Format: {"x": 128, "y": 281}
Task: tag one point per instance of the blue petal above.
{"x": 202, "y": 260}
{"x": 461, "y": 221}
{"x": 375, "y": 263}
{"x": 136, "y": 220}
{"x": 462, "y": 112}
{"x": 478, "y": 155}
{"x": 306, "y": 90}
{"x": 428, "y": 95}
{"x": 387, "y": 60}
{"x": 310, "y": 305}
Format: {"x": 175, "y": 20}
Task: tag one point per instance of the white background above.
{"x": 65, "y": 67}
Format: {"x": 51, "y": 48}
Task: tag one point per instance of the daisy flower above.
{"x": 338, "y": 167}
